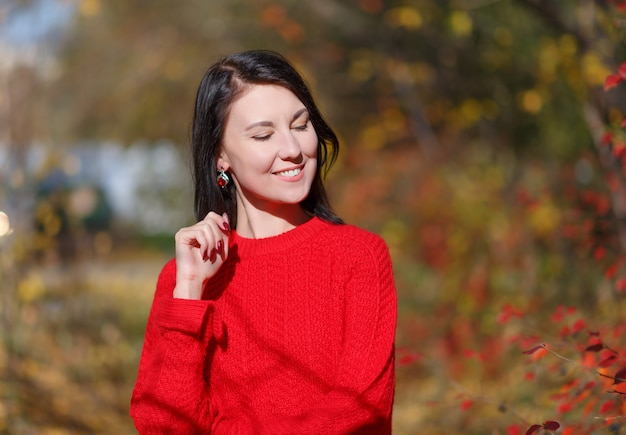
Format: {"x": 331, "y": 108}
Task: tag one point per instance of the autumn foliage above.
{"x": 597, "y": 389}
{"x": 484, "y": 140}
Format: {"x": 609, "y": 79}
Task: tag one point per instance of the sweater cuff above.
{"x": 184, "y": 315}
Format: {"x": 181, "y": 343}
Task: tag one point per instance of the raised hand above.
{"x": 201, "y": 249}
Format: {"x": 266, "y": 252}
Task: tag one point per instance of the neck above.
{"x": 255, "y": 223}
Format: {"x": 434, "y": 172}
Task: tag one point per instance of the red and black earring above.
{"x": 223, "y": 179}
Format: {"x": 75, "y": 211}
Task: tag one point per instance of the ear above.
{"x": 223, "y": 162}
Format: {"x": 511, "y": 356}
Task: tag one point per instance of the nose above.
{"x": 290, "y": 147}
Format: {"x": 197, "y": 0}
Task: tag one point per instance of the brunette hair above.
{"x": 219, "y": 87}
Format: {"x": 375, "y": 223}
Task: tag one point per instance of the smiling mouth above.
{"x": 289, "y": 173}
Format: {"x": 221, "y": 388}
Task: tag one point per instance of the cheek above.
{"x": 254, "y": 160}
{"x": 309, "y": 147}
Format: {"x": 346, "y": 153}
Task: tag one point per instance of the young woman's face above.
{"x": 269, "y": 147}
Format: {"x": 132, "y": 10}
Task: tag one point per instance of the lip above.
{"x": 292, "y": 168}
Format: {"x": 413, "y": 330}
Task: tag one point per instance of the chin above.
{"x": 294, "y": 199}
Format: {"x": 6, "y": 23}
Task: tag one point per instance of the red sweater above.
{"x": 294, "y": 335}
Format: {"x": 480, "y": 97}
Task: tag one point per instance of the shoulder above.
{"x": 354, "y": 240}
{"x": 353, "y": 234}
{"x": 360, "y": 257}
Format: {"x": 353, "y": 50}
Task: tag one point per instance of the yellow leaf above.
{"x": 545, "y": 218}
{"x": 593, "y": 70}
{"x": 406, "y": 16}
{"x": 531, "y": 101}
{"x": 89, "y": 8}
{"x": 30, "y": 288}
{"x": 461, "y": 23}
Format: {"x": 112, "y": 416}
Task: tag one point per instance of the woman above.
{"x": 274, "y": 317}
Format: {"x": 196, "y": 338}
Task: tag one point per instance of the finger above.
{"x": 221, "y": 220}
{"x": 195, "y": 238}
{"x": 217, "y": 229}
{"x": 224, "y": 252}
{"x": 211, "y": 237}
{"x": 226, "y": 222}
{"x": 217, "y": 235}
{"x": 211, "y": 216}
{"x": 214, "y": 243}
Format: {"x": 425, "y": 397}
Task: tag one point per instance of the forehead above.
{"x": 264, "y": 101}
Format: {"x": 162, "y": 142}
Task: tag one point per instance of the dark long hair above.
{"x": 221, "y": 84}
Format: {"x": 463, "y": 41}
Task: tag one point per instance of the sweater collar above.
{"x": 281, "y": 242}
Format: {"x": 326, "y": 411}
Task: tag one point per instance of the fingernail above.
{"x": 226, "y": 226}
{"x": 220, "y": 246}
{"x": 213, "y": 255}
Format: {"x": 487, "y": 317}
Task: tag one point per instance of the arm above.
{"x": 362, "y": 396}
{"x": 170, "y": 392}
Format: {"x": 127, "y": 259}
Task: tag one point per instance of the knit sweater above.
{"x": 293, "y": 335}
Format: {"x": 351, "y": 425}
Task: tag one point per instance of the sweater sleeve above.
{"x": 361, "y": 398}
{"x": 170, "y": 394}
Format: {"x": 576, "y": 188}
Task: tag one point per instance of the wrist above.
{"x": 188, "y": 290}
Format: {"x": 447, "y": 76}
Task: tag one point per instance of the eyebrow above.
{"x": 270, "y": 123}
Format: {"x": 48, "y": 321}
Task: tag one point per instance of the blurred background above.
{"x": 483, "y": 139}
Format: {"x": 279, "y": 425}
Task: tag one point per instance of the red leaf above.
{"x": 557, "y": 316}
{"x": 620, "y": 284}
{"x": 565, "y": 331}
{"x": 534, "y": 428}
{"x": 469, "y": 353}
{"x": 589, "y": 385}
{"x": 466, "y": 404}
{"x": 612, "y": 81}
{"x": 623, "y": 123}
{"x": 512, "y": 430}
{"x": 599, "y": 252}
{"x": 606, "y": 406}
{"x": 507, "y": 312}
{"x": 607, "y": 362}
{"x": 595, "y": 347}
{"x": 571, "y": 310}
{"x": 534, "y": 349}
{"x": 622, "y": 70}
{"x": 620, "y": 388}
{"x": 551, "y": 425}
{"x": 620, "y": 376}
{"x": 578, "y": 326}
{"x": 607, "y": 138}
{"x": 565, "y": 407}
{"x": 619, "y": 148}
{"x": 407, "y": 356}
{"x": 406, "y": 360}
{"x": 610, "y": 271}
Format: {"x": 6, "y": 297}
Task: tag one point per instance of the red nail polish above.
{"x": 226, "y": 226}
{"x": 220, "y": 246}
{"x": 213, "y": 255}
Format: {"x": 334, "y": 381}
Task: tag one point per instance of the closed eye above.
{"x": 303, "y": 123}
{"x": 262, "y": 137}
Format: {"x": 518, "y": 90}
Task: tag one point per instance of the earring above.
{"x": 223, "y": 179}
